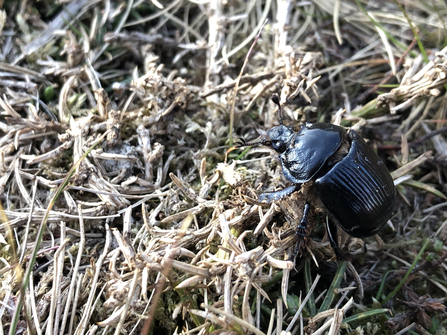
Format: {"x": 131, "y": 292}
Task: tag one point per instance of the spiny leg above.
{"x": 332, "y": 233}
{"x": 278, "y": 195}
{"x": 301, "y": 230}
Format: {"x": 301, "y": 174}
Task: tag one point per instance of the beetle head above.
{"x": 280, "y": 136}
{"x": 277, "y": 138}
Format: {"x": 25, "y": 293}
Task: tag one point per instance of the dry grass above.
{"x": 123, "y": 211}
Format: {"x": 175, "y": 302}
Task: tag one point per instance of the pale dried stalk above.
{"x": 80, "y": 330}
{"x": 303, "y": 303}
{"x": 74, "y": 274}
{"x": 56, "y": 300}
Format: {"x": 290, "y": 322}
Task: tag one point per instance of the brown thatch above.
{"x": 125, "y": 212}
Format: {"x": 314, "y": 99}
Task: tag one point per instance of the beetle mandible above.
{"x": 339, "y": 169}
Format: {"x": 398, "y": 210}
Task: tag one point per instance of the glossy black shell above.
{"x": 309, "y": 150}
{"x": 358, "y": 191}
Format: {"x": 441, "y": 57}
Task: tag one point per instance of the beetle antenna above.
{"x": 275, "y": 99}
{"x": 242, "y": 143}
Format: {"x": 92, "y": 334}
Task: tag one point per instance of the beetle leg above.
{"x": 301, "y": 230}
{"x": 278, "y": 195}
{"x": 332, "y": 233}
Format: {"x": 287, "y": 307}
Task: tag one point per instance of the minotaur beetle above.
{"x": 341, "y": 173}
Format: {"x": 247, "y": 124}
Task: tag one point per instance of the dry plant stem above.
{"x": 138, "y": 37}
{"x": 411, "y": 165}
{"x": 127, "y": 196}
{"x": 228, "y": 302}
{"x": 417, "y": 124}
{"x": 62, "y": 110}
{"x": 406, "y": 329}
{"x": 253, "y": 33}
{"x": 279, "y": 316}
{"x": 57, "y": 274}
{"x": 265, "y": 218}
{"x": 15, "y": 266}
{"x": 246, "y": 314}
{"x": 75, "y": 303}
{"x": 27, "y": 315}
{"x": 272, "y": 322}
{"x": 233, "y": 103}
{"x": 60, "y": 276}
{"x": 128, "y": 302}
{"x": 18, "y": 84}
{"x": 282, "y": 19}
{"x": 335, "y": 319}
{"x": 390, "y": 75}
{"x": 262, "y": 91}
{"x": 42, "y": 227}
{"x": 248, "y": 78}
{"x": 232, "y": 318}
{"x": 126, "y": 250}
{"x": 215, "y": 42}
{"x": 358, "y": 280}
{"x": 258, "y": 309}
{"x": 387, "y": 46}
{"x": 88, "y": 306}
{"x": 161, "y": 280}
{"x": 74, "y": 274}
{"x": 336, "y": 322}
{"x": 49, "y": 155}
{"x": 8, "y": 108}
{"x": 117, "y": 29}
{"x": 298, "y": 312}
{"x": 67, "y": 15}
{"x": 336, "y": 17}
{"x": 437, "y": 140}
{"x": 285, "y": 284}
{"x": 33, "y": 307}
{"x": 23, "y": 71}
{"x": 19, "y": 182}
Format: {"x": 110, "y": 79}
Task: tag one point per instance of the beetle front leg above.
{"x": 278, "y": 195}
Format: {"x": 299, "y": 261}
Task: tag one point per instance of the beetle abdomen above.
{"x": 358, "y": 191}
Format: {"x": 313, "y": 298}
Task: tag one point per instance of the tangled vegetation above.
{"x": 126, "y": 211}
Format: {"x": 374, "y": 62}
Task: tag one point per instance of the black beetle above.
{"x": 337, "y": 168}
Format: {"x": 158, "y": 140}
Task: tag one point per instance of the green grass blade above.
{"x": 382, "y": 284}
{"x": 415, "y": 32}
{"x": 308, "y": 281}
{"x": 378, "y": 25}
{"x": 335, "y": 285}
{"x": 365, "y": 315}
{"x": 392, "y": 294}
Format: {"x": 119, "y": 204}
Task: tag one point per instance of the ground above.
{"x": 128, "y": 207}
